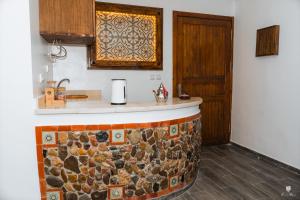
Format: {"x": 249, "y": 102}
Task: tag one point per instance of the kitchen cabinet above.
{"x": 68, "y": 21}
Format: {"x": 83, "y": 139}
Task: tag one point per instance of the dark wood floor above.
{"x": 228, "y": 173}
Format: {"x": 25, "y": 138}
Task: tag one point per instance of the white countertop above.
{"x": 101, "y": 107}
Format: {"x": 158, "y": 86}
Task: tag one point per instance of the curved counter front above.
{"x": 118, "y": 156}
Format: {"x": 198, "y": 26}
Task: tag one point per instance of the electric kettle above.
{"x": 118, "y": 92}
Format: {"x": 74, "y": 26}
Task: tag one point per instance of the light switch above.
{"x": 41, "y": 78}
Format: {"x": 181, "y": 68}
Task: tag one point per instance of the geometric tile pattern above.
{"x": 174, "y": 130}
{"x": 125, "y": 37}
{"x": 49, "y": 138}
{"x": 53, "y": 196}
{"x": 118, "y": 136}
{"x": 116, "y": 193}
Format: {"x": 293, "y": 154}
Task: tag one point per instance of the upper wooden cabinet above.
{"x": 69, "y": 21}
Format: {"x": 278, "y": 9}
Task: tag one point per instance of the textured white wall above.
{"x": 266, "y": 91}
{"x": 18, "y": 165}
{"x": 139, "y": 84}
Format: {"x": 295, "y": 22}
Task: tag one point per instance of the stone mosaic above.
{"x": 91, "y": 162}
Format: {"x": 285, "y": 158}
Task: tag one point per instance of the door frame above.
{"x": 228, "y": 85}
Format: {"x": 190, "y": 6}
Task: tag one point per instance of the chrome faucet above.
{"x": 63, "y": 80}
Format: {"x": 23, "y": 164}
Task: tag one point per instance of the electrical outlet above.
{"x": 152, "y": 77}
{"x": 158, "y": 77}
{"x": 46, "y": 68}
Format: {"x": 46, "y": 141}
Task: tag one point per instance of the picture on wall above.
{"x": 267, "y": 41}
{"x": 127, "y": 37}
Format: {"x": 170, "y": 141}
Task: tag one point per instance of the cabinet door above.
{"x": 70, "y": 21}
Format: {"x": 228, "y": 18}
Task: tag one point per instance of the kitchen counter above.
{"x": 153, "y": 146}
{"x": 101, "y": 107}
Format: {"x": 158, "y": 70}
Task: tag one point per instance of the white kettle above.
{"x": 118, "y": 92}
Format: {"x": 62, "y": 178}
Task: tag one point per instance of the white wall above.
{"x": 18, "y": 165}
{"x": 39, "y": 52}
{"x": 266, "y": 91}
{"x": 139, "y": 84}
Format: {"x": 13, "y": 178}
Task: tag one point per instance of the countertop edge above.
{"x": 179, "y": 104}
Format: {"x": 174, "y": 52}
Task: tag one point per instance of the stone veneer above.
{"x": 123, "y": 161}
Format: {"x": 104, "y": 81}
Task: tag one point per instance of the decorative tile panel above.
{"x": 48, "y": 138}
{"x": 118, "y": 161}
{"x": 116, "y": 193}
{"x": 173, "y": 181}
{"x": 118, "y": 136}
{"x": 174, "y": 132}
{"x": 53, "y": 196}
{"x": 125, "y": 37}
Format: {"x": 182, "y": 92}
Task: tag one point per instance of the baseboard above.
{"x": 268, "y": 159}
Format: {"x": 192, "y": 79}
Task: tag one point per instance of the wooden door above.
{"x": 202, "y": 58}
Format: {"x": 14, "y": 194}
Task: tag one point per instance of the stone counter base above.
{"x": 119, "y": 161}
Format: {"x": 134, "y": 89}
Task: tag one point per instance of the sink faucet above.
{"x": 63, "y": 80}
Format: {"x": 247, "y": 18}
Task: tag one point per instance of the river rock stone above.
{"x": 102, "y": 147}
{"x": 129, "y": 193}
{"x": 92, "y": 172}
{"x": 102, "y": 136}
{"x": 106, "y": 178}
{"x": 90, "y": 181}
{"x": 86, "y": 146}
{"x": 78, "y": 144}
{"x": 149, "y": 133}
{"x": 74, "y": 150}
{"x": 71, "y": 196}
{"x": 62, "y": 152}
{"x": 92, "y": 162}
{"x": 84, "y": 159}
{"x": 148, "y": 187}
{"x": 140, "y": 155}
{"x": 64, "y": 175}
{"x": 84, "y": 197}
{"x": 71, "y": 163}
{"x": 164, "y": 184}
{"x": 68, "y": 187}
{"x": 114, "y": 180}
{"x": 140, "y": 192}
{"x": 93, "y": 140}
{"x": 47, "y": 162}
{"x": 155, "y": 187}
{"x": 84, "y": 170}
{"x": 84, "y": 138}
{"x": 134, "y": 137}
{"x": 127, "y": 156}
{"x": 81, "y": 178}
{"x": 134, "y": 178}
{"x": 86, "y": 188}
{"x": 151, "y": 141}
{"x": 54, "y": 181}
{"x": 133, "y": 151}
{"x": 119, "y": 164}
{"x": 55, "y": 171}
{"x": 72, "y": 178}
{"x": 100, "y": 158}
{"x": 77, "y": 186}
{"x": 144, "y": 137}
{"x": 141, "y": 165}
{"x": 52, "y": 152}
{"x": 63, "y": 138}
{"x": 99, "y": 195}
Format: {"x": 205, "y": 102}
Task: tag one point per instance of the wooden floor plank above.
{"x": 230, "y": 173}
